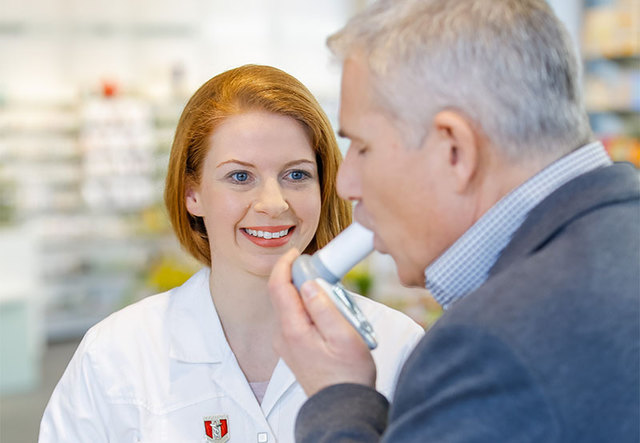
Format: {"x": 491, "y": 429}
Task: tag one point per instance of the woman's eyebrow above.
{"x": 298, "y": 162}
{"x": 238, "y": 162}
{"x": 251, "y": 165}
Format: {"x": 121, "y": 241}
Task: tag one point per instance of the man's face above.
{"x": 402, "y": 191}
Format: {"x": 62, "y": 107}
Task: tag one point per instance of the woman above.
{"x": 251, "y": 175}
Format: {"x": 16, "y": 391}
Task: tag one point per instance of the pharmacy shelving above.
{"x": 90, "y": 188}
{"x": 611, "y": 53}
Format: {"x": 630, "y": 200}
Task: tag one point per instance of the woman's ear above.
{"x": 192, "y": 200}
{"x": 462, "y": 146}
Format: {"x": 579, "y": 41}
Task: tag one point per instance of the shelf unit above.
{"x": 611, "y": 53}
{"x": 84, "y": 169}
{"x": 96, "y": 249}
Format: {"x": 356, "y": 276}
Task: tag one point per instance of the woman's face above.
{"x": 259, "y": 192}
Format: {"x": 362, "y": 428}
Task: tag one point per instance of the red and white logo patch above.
{"x": 217, "y": 428}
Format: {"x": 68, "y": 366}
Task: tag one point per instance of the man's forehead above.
{"x": 355, "y": 103}
{"x": 355, "y": 76}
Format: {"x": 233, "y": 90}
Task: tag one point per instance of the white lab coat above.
{"x": 158, "y": 369}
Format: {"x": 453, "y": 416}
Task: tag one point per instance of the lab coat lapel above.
{"x": 229, "y": 378}
{"x": 281, "y": 381}
{"x": 196, "y": 334}
{"x": 197, "y": 337}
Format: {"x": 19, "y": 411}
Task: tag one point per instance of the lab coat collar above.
{"x": 196, "y": 336}
{"x": 195, "y": 331}
{"x": 281, "y": 381}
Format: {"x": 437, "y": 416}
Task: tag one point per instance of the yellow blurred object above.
{"x": 155, "y": 220}
{"x": 612, "y": 30}
{"x": 169, "y": 272}
{"x": 359, "y": 279}
{"x": 623, "y": 149}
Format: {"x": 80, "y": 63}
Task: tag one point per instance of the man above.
{"x": 472, "y": 160}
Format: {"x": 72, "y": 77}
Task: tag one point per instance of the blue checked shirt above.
{"x": 466, "y": 264}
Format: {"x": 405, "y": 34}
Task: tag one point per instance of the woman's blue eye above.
{"x": 240, "y": 176}
{"x": 298, "y": 175}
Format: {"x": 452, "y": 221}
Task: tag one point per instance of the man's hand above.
{"x": 318, "y": 344}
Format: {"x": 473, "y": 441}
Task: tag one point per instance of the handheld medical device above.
{"x": 327, "y": 267}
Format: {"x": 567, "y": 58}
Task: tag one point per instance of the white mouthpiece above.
{"x": 346, "y": 249}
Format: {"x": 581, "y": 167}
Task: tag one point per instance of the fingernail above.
{"x": 309, "y": 290}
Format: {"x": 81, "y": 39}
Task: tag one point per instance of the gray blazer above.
{"x": 546, "y": 350}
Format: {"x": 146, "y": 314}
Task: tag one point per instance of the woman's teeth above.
{"x": 266, "y": 234}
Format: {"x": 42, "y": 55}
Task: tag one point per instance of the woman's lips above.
{"x": 268, "y": 236}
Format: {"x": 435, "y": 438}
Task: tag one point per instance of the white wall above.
{"x": 56, "y": 49}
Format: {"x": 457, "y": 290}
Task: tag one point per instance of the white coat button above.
{"x": 263, "y": 437}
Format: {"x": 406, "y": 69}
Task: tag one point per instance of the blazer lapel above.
{"x": 600, "y": 187}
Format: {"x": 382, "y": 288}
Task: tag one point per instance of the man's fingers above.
{"x": 312, "y": 336}
{"x": 330, "y": 322}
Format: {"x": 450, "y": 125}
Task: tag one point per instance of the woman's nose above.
{"x": 271, "y": 200}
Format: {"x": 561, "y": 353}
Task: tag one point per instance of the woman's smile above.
{"x": 269, "y": 236}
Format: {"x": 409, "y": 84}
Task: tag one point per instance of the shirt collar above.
{"x": 466, "y": 264}
{"x": 195, "y": 331}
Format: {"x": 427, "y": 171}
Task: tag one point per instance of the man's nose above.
{"x": 347, "y": 182}
{"x": 271, "y": 200}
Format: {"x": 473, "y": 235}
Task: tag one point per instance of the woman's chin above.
{"x": 263, "y": 267}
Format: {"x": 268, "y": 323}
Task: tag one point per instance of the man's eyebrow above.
{"x": 344, "y": 134}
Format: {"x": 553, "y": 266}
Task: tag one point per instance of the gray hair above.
{"x": 508, "y": 65}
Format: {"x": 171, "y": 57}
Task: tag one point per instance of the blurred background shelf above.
{"x": 611, "y": 50}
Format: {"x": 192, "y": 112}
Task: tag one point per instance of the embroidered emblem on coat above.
{"x": 217, "y": 428}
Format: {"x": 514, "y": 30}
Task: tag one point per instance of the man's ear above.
{"x": 460, "y": 142}
{"x": 192, "y": 201}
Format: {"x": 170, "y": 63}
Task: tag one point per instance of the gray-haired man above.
{"x": 472, "y": 160}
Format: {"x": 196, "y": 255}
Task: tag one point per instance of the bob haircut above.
{"x": 243, "y": 89}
